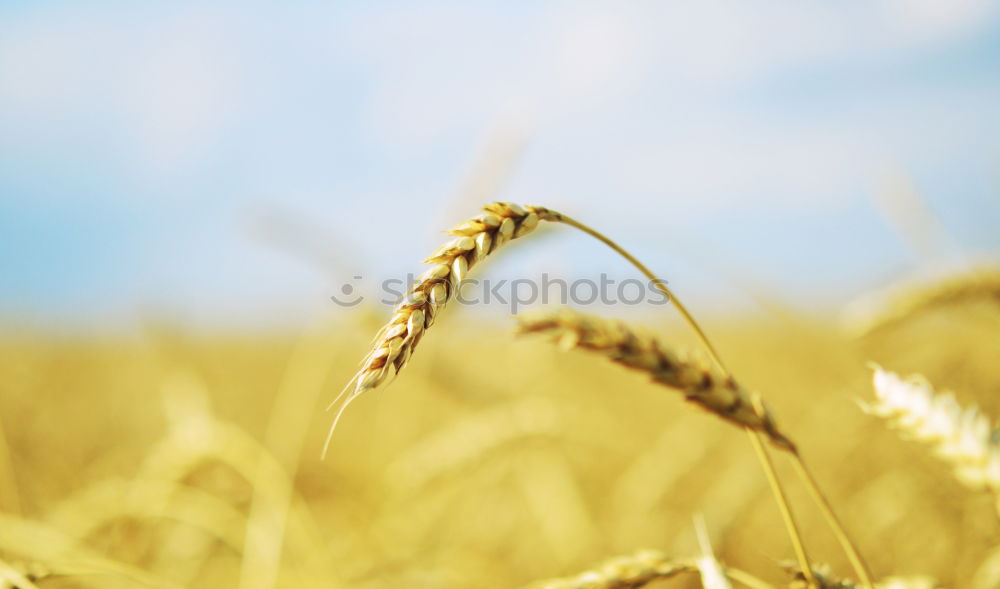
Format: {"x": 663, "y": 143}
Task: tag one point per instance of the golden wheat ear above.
{"x": 896, "y": 305}
{"x": 472, "y": 241}
{"x": 700, "y": 382}
{"x": 625, "y": 572}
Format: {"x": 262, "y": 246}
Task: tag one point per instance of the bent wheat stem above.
{"x": 660, "y": 284}
{"x": 815, "y": 492}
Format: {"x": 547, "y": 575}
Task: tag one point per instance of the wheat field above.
{"x": 192, "y": 459}
{"x": 208, "y": 381}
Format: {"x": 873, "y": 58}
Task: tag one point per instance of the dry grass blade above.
{"x": 961, "y": 436}
{"x": 626, "y": 572}
{"x": 698, "y": 381}
{"x": 473, "y": 240}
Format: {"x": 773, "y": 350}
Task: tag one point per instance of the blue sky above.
{"x": 234, "y": 162}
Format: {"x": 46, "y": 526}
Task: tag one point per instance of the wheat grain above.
{"x": 625, "y": 572}
{"x": 961, "y": 436}
{"x": 698, "y": 381}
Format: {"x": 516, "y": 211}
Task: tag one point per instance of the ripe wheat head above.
{"x": 698, "y": 381}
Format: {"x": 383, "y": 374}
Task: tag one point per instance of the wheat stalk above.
{"x": 961, "y": 436}
{"x": 625, "y": 572}
{"x": 699, "y": 382}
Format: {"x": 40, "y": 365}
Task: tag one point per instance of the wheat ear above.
{"x": 625, "y": 572}
{"x": 699, "y": 382}
{"x": 887, "y": 309}
{"x": 473, "y": 240}
{"x": 826, "y": 579}
{"x": 961, "y": 436}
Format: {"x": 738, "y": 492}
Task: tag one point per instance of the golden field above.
{"x": 182, "y": 459}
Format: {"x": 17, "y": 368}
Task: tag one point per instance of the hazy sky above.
{"x": 236, "y": 162}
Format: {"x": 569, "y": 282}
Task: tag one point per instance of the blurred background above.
{"x": 184, "y": 185}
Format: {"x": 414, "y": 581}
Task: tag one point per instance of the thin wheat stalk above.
{"x": 839, "y": 531}
{"x": 699, "y": 382}
{"x": 961, "y": 436}
{"x": 783, "y": 506}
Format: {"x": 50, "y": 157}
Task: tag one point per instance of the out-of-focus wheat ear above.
{"x": 625, "y": 572}
{"x": 896, "y": 305}
{"x": 961, "y": 436}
